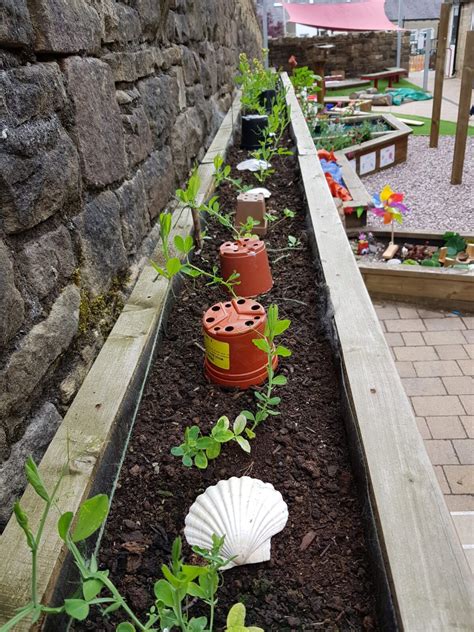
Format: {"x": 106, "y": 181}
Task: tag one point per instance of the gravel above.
{"x": 434, "y": 203}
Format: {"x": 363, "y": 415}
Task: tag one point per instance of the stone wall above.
{"x": 105, "y": 105}
{"x": 356, "y": 53}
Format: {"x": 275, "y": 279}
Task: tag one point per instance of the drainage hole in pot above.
{"x": 247, "y": 239}
{"x": 210, "y": 320}
{"x": 215, "y": 308}
{"x": 229, "y": 329}
{"x": 217, "y": 328}
{"x": 249, "y": 323}
{"x": 257, "y": 317}
{"x": 254, "y": 307}
{"x": 228, "y": 305}
{"x": 241, "y": 301}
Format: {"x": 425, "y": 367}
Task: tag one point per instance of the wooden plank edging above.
{"x": 431, "y": 581}
{"x": 88, "y": 428}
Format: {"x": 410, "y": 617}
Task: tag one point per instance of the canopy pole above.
{"x": 439, "y": 77}
{"x": 463, "y": 110}
{"x": 265, "y": 32}
{"x": 399, "y": 34}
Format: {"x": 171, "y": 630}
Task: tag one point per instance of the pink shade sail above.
{"x": 368, "y": 15}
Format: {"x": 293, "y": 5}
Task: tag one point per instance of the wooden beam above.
{"x": 463, "y": 112}
{"x": 440, "y": 69}
{"x": 103, "y": 405}
{"x": 431, "y": 581}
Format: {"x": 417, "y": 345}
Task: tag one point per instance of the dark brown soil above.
{"x": 318, "y": 577}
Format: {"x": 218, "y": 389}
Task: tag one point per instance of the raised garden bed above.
{"x": 450, "y": 287}
{"x": 319, "y": 574}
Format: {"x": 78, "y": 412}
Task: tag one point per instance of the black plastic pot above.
{"x": 252, "y": 130}
{"x": 267, "y": 98}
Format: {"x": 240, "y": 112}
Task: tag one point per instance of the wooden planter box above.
{"x": 406, "y": 514}
{"x": 446, "y": 288}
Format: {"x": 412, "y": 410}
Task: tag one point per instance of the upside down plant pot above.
{"x": 249, "y": 258}
{"x": 251, "y": 205}
{"x": 252, "y": 130}
{"x": 231, "y": 357}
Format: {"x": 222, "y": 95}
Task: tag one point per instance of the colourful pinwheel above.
{"x": 388, "y": 204}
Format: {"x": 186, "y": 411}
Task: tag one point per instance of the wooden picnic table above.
{"x": 388, "y": 73}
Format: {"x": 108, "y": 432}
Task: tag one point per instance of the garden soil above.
{"x": 319, "y": 576}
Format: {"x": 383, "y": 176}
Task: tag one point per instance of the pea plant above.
{"x": 236, "y": 620}
{"x": 184, "y": 246}
{"x": 180, "y": 583}
{"x": 266, "y": 400}
{"x": 198, "y": 449}
{"x": 222, "y": 174}
{"x": 272, "y": 135}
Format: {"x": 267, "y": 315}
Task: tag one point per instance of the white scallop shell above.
{"x": 246, "y": 510}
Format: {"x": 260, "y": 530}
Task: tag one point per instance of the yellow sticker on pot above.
{"x": 217, "y": 352}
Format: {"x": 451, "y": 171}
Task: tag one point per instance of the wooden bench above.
{"x": 388, "y": 73}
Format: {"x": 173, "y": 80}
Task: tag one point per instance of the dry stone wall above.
{"x": 104, "y": 107}
{"x": 355, "y": 53}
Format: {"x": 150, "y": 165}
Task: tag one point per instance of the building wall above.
{"x": 465, "y": 24}
{"x": 356, "y": 52}
{"x": 105, "y": 106}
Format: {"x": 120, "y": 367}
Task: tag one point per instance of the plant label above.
{"x": 387, "y": 156}
{"x": 367, "y": 163}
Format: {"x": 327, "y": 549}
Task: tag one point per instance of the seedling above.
{"x": 236, "y": 620}
{"x": 222, "y": 174}
{"x": 198, "y": 449}
{"x": 184, "y": 246}
{"x": 181, "y": 581}
{"x": 293, "y": 242}
{"x": 266, "y": 401}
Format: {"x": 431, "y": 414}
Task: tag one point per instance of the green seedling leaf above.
{"x": 200, "y": 460}
{"x": 187, "y": 460}
{"x": 76, "y": 608}
{"x": 173, "y": 266}
{"x": 260, "y": 396}
{"x": 125, "y": 627}
{"x": 236, "y": 616}
{"x": 112, "y": 608}
{"x": 239, "y": 424}
{"x": 90, "y": 517}
{"x": 250, "y": 433}
{"x": 283, "y": 351}
{"x": 244, "y": 444}
{"x": 164, "y": 592}
{"x": 248, "y": 415}
{"x": 281, "y": 326}
{"x": 177, "y": 450}
{"x": 179, "y": 243}
{"x": 203, "y": 443}
{"x": 214, "y": 451}
{"x": 157, "y": 268}
{"x": 64, "y": 523}
{"x": 261, "y": 344}
{"x": 91, "y": 588}
{"x": 273, "y": 401}
{"x": 197, "y": 625}
{"x": 194, "y": 590}
{"x": 34, "y": 479}
{"x": 22, "y": 520}
{"x": 190, "y": 272}
{"x": 280, "y": 380}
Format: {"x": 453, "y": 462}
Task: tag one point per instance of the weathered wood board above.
{"x": 430, "y": 579}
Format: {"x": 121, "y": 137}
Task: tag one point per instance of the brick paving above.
{"x": 434, "y": 355}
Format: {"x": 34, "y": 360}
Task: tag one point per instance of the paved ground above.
{"x": 449, "y": 104}
{"x": 434, "y": 354}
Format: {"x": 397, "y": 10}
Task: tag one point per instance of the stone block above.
{"x": 41, "y": 428}
{"x": 186, "y": 140}
{"x": 436, "y": 368}
{"x": 461, "y": 481}
{"x": 39, "y": 351}
{"x": 177, "y": 72}
{"x": 97, "y": 125}
{"x": 99, "y": 236}
{"x": 172, "y": 56}
{"x": 39, "y": 174}
{"x": 158, "y": 177}
{"x": 11, "y": 303}
{"x": 441, "y": 452}
{"x": 138, "y": 138}
{"x": 130, "y": 66}
{"x": 153, "y": 16}
{"x": 120, "y": 23}
{"x": 447, "y": 427}
{"x": 433, "y": 405}
{"x": 15, "y": 26}
{"x": 133, "y": 212}
{"x": 31, "y": 91}
{"x": 160, "y": 99}
{"x": 65, "y": 26}
{"x": 444, "y": 337}
{"x": 191, "y": 66}
{"x": 47, "y": 261}
{"x": 418, "y": 354}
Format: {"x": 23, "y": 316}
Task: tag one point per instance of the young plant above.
{"x": 181, "y": 581}
{"x": 270, "y": 144}
{"x": 293, "y": 242}
{"x": 266, "y": 401}
{"x": 188, "y": 197}
{"x": 198, "y": 449}
{"x": 236, "y": 620}
{"x": 184, "y": 246}
{"x": 222, "y": 174}
{"x": 253, "y": 79}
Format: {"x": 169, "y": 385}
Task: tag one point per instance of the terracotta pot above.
{"x": 251, "y": 205}
{"x": 249, "y": 258}
{"x": 231, "y": 357}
